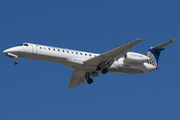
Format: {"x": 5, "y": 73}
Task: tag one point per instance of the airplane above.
{"x": 88, "y": 65}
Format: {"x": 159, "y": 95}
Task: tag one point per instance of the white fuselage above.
{"x": 74, "y": 59}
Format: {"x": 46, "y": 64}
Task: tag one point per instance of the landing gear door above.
{"x": 34, "y": 49}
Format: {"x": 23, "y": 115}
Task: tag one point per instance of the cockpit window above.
{"x": 26, "y": 45}
{"x": 21, "y": 45}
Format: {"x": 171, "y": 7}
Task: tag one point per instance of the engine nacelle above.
{"x": 135, "y": 57}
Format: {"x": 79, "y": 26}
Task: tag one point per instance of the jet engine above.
{"x": 135, "y": 57}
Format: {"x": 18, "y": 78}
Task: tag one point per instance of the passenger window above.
{"x": 58, "y": 50}
{"x": 40, "y": 47}
{"x": 81, "y": 53}
{"x": 67, "y": 51}
{"x": 49, "y": 48}
{"x": 85, "y": 54}
{"x": 89, "y": 54}
{"x": 63, "y": 50}
{"x": 76, "y": 52}
{"x": 44, "y": 48}
{"x": 54, "y": 49}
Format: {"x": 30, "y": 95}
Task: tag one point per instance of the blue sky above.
{"x": 36, "y": 90}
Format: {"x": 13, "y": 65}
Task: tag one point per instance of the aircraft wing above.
{"x": 77, "y": 76}
{"x": 109, "y": 57}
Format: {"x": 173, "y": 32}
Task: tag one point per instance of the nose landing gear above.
{"x": 16, "y": 62}
{"x": 12, "y": 56}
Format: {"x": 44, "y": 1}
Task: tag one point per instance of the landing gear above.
{"x": 103, "y": 67}
{"x": 16, "y": 62}
{"x": 98, "y": 68}
{"x": 89, "y": 80}
{"x": 104, "y": 71}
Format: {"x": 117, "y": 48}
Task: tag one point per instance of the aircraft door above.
{"x": 34, "y": 49}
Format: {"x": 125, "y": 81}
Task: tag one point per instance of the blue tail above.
{"x": 154, "y": 52}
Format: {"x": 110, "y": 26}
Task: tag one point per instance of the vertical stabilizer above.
{"x": 154, "y": 52}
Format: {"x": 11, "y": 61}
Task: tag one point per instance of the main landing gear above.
{"x": 103, "y": 67}
{"x": 104, "y": 71}
{"x": 89, "y": 80}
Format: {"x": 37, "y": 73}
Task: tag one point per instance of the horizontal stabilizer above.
{"x": 163, "y": 44}
{"x": 154, "y": 52}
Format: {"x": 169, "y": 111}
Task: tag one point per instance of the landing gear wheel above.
{"x": 89, "y": 81}
{"x": 98, "y": 68}
{"x": 16, "y": 62}
{"x": 104, "y": 71}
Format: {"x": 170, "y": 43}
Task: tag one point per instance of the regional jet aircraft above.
{"x": 87, "y": 65}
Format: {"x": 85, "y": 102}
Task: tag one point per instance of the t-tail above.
{"x": 154, "y": 52}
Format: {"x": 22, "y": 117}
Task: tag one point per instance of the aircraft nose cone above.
{"x": 13, "y": 49}
{"x": 5, "y": 51}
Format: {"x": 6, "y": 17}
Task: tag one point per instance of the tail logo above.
{"x": 152, "y": 60}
